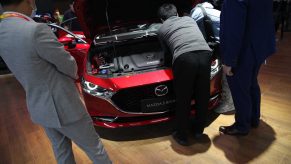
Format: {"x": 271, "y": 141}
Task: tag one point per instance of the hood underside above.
{"x": 100, "y": 16}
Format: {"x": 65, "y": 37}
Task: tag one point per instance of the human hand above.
{"x": 227, "y": 70}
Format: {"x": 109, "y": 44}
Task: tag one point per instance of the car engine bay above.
{"x": 135, "y": 49}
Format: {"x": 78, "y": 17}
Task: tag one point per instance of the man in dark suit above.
{"x": 247, "y": 38}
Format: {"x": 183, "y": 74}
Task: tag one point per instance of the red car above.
{"x": 127, "y": 78}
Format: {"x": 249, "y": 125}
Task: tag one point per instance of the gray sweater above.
{"x": 181, "y": 35}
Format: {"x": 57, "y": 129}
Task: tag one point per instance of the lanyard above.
{"x": 13, "y": 15}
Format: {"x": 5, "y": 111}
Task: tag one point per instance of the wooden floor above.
{"x": 22, "y": 142}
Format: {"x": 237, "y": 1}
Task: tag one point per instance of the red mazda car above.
{"x": 127, "y": 78}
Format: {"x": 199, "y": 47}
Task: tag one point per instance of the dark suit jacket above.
{"x": 246, "y": 23}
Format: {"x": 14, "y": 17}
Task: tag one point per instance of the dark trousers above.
{"x": 192, "y": 79}
{"x": 246, "y": 91}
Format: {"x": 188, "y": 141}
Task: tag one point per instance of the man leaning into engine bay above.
{"x": 191, "y": 58}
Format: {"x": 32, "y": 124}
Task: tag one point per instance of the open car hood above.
{"x": 98, "y": 17}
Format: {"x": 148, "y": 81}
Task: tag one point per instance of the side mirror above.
{"x": 68, "y": 41}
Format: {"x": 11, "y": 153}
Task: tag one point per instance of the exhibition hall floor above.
{"x": 22, "y": 142}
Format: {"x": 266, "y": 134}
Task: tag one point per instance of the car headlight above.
{"x": 96, "y": 90}
{"x": 215, "y": 68}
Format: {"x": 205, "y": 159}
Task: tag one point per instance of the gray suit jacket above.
{"x": 45, "y": 70}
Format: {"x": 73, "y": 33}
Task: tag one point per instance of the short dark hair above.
{"x": 9, "y": 2}
{"x": 167, "y": 10}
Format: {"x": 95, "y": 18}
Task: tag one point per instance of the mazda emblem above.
{"x": 150, "y": 57}
{"x": 161, "y": 90}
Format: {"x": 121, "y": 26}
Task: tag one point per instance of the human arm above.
{"x": 166, "y": 51}
{"x": 51, "y": 50}
{"x": 232, "y": 30}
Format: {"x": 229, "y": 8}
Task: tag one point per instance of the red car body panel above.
{"x": 136, "y": 80}
{"x": 133, "y": 80}
{"x": 106, "y": 108}
{"x": 79, "y": 51}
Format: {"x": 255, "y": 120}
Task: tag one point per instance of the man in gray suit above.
{"x": 47, "y": 73}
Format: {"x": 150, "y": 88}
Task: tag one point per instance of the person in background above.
{"x": 47, "y": 73}
{"x": 57, "y": 17}
{"x": 70, "y": 22}
{"x": 247, "y": 36}
{"x": 199, "y": 13}
{"x": 181, "y": 37}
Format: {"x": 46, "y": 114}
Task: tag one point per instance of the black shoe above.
{"x": 231, "y": 130}
{"x": 180, "y": 138}
{"x": 255, "y": 125}
{"x": 197, "y": 129}
{"x": 201, "y": 138}
{"x": 198, "y": 133}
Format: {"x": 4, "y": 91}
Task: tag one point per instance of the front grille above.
{"x": 129, "y": 100}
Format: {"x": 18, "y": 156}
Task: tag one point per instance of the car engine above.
{"x": 134, "y": 49}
